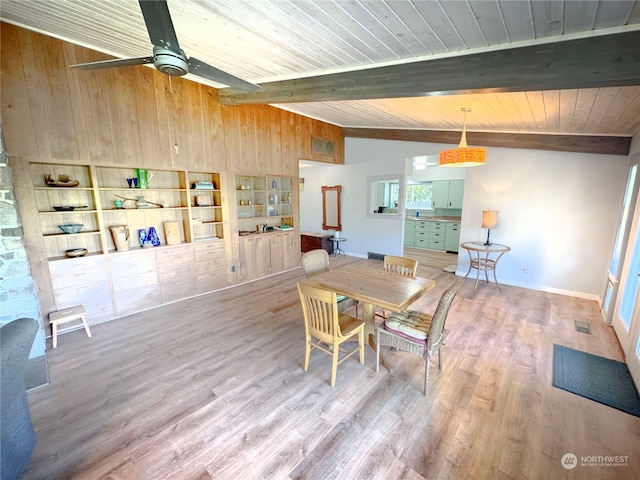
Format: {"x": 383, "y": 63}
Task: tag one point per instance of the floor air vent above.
{"x": 375, "y": 256}
{"x": 583, "y": 327}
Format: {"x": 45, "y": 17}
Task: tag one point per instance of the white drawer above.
{"x": 212, "y": 265}
{"x": 131, "y": 263}
{"x": 183, "y": 287}
{"x": 133, "y": 282}
{"x": 138, "y": 299}
{"x": 175, "y": 271}
{"x": 210, "y": 250}
{"x": 175, "y": 256}
{"x": 436, "y": 244}
{"x": 77, "y": 271}
{"x": 95, "y": 296}
{"x": 207, "y": 282}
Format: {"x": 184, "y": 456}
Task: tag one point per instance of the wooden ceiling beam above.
{"x": 598, "y": 61}
{"x": 560, "y": 143}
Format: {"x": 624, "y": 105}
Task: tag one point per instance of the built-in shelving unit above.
{"x": 264, "y": 200}
{"x": 106, "y": 196}
{"x": 166, "y": 200}
{"x": 206, "y": 206}
{"x": 81, "y": 197}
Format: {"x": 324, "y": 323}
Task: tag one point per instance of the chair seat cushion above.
{"x": 409, "y": 324}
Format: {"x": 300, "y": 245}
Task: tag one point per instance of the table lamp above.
{"x": 489, "y": 221}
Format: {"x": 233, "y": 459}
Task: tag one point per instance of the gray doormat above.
{"x": 597, "y": 378}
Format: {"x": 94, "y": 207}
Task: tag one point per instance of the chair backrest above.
{"x": 17, "y": 436}
{"x": 320, "y": 310}
{"x": 434, "y": 339}
{"x": 403, "y": 265}
{"x": 314, "y": 261}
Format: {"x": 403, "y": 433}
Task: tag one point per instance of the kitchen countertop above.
{"x": 245, "y": 233}
{"x": 434, "y": 219}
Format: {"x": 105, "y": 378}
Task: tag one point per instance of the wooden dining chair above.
{"x": 416, "y": 332}
{"x": 401, "y": 265}
{"x": 326, "y": 329}
{"x": 317, "y": 261}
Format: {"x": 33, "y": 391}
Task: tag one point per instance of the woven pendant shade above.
{"x": 463, "y": 156}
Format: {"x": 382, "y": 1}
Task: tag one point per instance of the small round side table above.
{"x": 336, "y": 245}
{"x": 481, "y": 260}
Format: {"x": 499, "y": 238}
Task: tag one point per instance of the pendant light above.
{"x": 463, "y": 156}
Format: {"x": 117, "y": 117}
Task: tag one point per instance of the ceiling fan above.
{"x": 168, "y": 57}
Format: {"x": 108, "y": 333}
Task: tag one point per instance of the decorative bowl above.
{"x": 67, "y": 208}
{"x": 76, "y": 252}
{"x": 71, "y": 227}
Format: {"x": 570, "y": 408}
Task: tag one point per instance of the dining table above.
{"x": 373, "y": 287}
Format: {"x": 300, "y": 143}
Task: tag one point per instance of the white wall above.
{"x": 558, "y": 211}
{"x": 635, "y": 144}
{"x": 363, "y": 158}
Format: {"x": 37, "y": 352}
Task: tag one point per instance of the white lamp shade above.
{"x": 489, "y": 218}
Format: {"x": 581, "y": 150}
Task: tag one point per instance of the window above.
{"x": 385, "y": 193}
{"x": 419, "y": 195}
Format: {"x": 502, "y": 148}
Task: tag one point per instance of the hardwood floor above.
{"x": 213, "y": 387}
{"x": 431, "y": 258}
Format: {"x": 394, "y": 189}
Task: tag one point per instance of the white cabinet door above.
{"x": 452, "y": 238}
{"x": 440, "y": 194}
{"x": 456, "y": 193}
{"x": 409, "y": 233}
{"x": 447, "y": 193}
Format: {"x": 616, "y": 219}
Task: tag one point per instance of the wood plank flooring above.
{"x": 432, "y": 258}
{"x": 213, "y": 387}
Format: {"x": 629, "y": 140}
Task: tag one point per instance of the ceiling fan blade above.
{"x": 159, "y": 24}
{"x": 118, "y": 62}
{"x": 204, "y": 70}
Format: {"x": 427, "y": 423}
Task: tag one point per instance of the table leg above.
{"x": 369, "y": 317}
{"x": 495, "y": 266}
{"x": 470, "y": 263}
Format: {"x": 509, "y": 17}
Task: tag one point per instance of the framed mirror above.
{"x": 331, "y": 219}
{"x": 385, "y": 194}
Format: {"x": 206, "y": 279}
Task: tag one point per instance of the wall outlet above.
{"x": 525, "y": 270}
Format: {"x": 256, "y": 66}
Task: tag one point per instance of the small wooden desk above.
{"x": 374, "y": 288}
{"x": 482, "y": 262}
{"x": 312, "y": 240}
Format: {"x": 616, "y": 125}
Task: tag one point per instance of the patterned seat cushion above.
{"x": 410, "y": 325}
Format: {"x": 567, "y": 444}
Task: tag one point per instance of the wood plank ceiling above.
{"x": 285, "y": 43}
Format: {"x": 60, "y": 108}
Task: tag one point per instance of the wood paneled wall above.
{"x": 137, "y": 116}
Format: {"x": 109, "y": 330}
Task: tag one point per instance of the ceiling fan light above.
{"x": 170, "y": 62}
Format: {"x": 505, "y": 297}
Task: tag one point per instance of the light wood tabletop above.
{"x": 374, "y": 288}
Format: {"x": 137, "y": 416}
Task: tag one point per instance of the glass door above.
{"x": 633, "y": 357}
{"x": 619, "y": 253}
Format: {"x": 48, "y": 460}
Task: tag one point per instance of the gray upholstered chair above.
{"x": 416, "y": 332}
{"x": 18, "y": 438}
{"x": 317, "y": 261}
